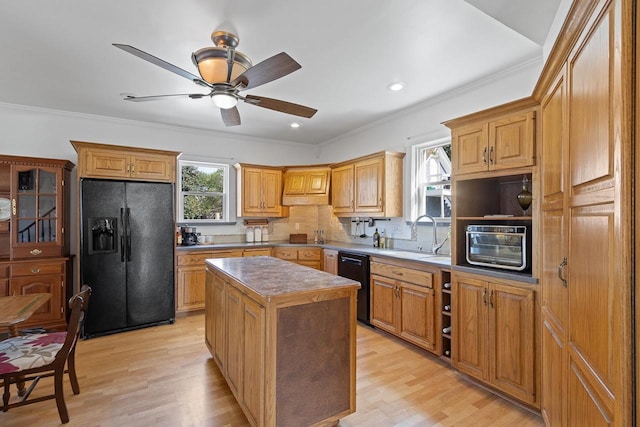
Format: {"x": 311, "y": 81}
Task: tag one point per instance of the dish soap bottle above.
{"x": 376, "y": 239}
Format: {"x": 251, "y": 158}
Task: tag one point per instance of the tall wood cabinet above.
{"x": 34, "y": 234}
{"x": 368, "y": 185}
{"x": 586, "y": 179}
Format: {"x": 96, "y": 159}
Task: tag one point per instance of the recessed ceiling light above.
{"x": 295, "y": 125}
{"x": 394, "y": 87}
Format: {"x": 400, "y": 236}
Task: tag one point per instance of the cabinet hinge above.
{"x": 62, "y": 230}
{"x": 62, "y": 284}
{"x": 62, "y": 182}
{"x": 61, "y": 310}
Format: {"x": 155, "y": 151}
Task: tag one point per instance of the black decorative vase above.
{"x": 525, "y": 197}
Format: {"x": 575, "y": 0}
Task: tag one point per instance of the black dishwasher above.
{"x": 356, "y": 267}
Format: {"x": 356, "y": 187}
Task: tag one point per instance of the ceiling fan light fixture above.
{"x": 224, "y": 100}
{"x": 212, "y": 64}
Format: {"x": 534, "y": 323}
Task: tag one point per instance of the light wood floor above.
{"x": 164, "y": 376}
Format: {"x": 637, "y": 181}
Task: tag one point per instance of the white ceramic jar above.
{"x": 249, "y": 235}
{"x": 257, "y": 234}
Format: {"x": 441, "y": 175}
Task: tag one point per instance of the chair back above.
{"x": 79, "y": 303}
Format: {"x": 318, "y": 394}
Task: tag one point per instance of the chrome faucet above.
{"x": 435, "y": 246}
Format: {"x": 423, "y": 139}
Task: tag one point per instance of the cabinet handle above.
{"x": 14, "y": 206}
{"x": 397, "y": 273}
{"x": 491, "y": 155}
{"x": 133, "y": 168}
{"x": 560, "y": 270}
{"x": 35, "y": 252}
{"x": 351, "y": 203}
{"x": 491, "y": 299}
{"x": 484, "y": 296}
{"x": 484, "y": 155}
{"x": 380, "y": 202}
{"x": 35, "y": 270}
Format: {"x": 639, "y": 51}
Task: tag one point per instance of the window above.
{"x": 432, "y": 179}
{"x": 204, "y": 192}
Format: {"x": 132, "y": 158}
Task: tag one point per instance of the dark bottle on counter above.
{"x": 376, "y": 239}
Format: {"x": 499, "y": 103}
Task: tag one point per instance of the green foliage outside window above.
{"x": 203, "y": 192}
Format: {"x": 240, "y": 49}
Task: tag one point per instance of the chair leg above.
{"x": 6, "y": 395}
{"x": 71, "y": 365}
{"x": 59, "y": 393}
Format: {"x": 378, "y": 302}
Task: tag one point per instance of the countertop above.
{"x": 269, "y": 277}
{"x": 442, "y": 261}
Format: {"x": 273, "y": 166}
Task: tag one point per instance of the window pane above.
{"x": 204, "y": 179}
{"x": 203, "y": 207}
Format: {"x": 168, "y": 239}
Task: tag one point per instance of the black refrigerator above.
{"x": 127, "y": 239}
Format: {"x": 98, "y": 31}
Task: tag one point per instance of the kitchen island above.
{"x": 284, "y": 337}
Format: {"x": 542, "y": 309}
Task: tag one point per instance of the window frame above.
{"x": 228, "y": 213}
{"x": 418, "y": 185}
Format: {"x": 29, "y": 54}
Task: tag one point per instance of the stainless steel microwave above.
{"x": 498, "y": 246}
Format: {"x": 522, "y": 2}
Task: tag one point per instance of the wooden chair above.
{"x": 32, "y": 357}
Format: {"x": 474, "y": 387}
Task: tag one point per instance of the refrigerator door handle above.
{"x": 122, "y": 235}
{"x": 128, "y": 231}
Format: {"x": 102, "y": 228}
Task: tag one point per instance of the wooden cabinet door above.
{"x": 209, "y": 296}
{"x": 330, "y": 261}
{"x": 152, "y": 168}
{"x": 106, "y": 164}
{"x": 219, "y": 323}
{"x": 342, "y": 189}
{"x": 53, "y": 310}
{"x": 470, "y": 149}
{"x": 384, "y": 308}
{"x": 417, "y": 322}
{"x": 271, "y": 191}
{"x": 317, "y": 182}
{"x": 368, "y": 182}
{"x": 511, "y": 341}
{"x": 254, "y": 354}
{"x": 234, "y": 335}
{"x": 37, "y": 224}
{"x": 511, "y": 141}
{"x": 470, "y": 332}
{"x": 251, "y": 191}
{"x": 554, "y": 302}
{"x": 191, "y": 286}
{"x": 294, "y": 184}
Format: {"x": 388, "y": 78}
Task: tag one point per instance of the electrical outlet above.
{"x": 396, "y": 229}
{"x": 297, "y": 226}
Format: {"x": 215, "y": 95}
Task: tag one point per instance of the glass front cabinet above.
{"x": 34, "y": 239}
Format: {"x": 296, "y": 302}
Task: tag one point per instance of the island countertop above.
{"x": 270, "y": 277}
{"x": 284, "y": 338}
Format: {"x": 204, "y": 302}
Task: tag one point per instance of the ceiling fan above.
{"x": 225, "y": 72}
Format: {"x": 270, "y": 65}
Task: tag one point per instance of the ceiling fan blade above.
{"x": 282, "y": 106}
{"x": 266, "y": 71}
{"x": 134, "y": 98}
{"x": 161, "y": 63}
{"x": 230, "y": 116}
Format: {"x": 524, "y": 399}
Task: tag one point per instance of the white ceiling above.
{"x": 58, "y": 55}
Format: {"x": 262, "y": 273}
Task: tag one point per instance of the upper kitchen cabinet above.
{"x": 306, "y": 186}
{"x": 497, "y": 139}
{"x": 260, "y": 191}
{"x": 370, "y": 185}
{"x": 112, "y": 161}
{"x": 34, "y": 201}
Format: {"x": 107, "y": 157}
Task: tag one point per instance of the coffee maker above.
{"x": 189, "y": 236}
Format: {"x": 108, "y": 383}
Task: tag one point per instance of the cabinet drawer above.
{"x": 309, "y": 254}
{"x": 422, "y": 278}
{"x": 285, "y": 253}
{"x": 29, "y": 269}
{"x": 198, "y": 258}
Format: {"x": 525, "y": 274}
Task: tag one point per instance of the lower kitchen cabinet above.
{"x": 52, "y": 276}
{"x": 330, "y": 261}
{"x": 494, "y": 328}
{"x": 309, "y": 256}
{"x": 190, "y": 271}
{"x": 403, "y": 303}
